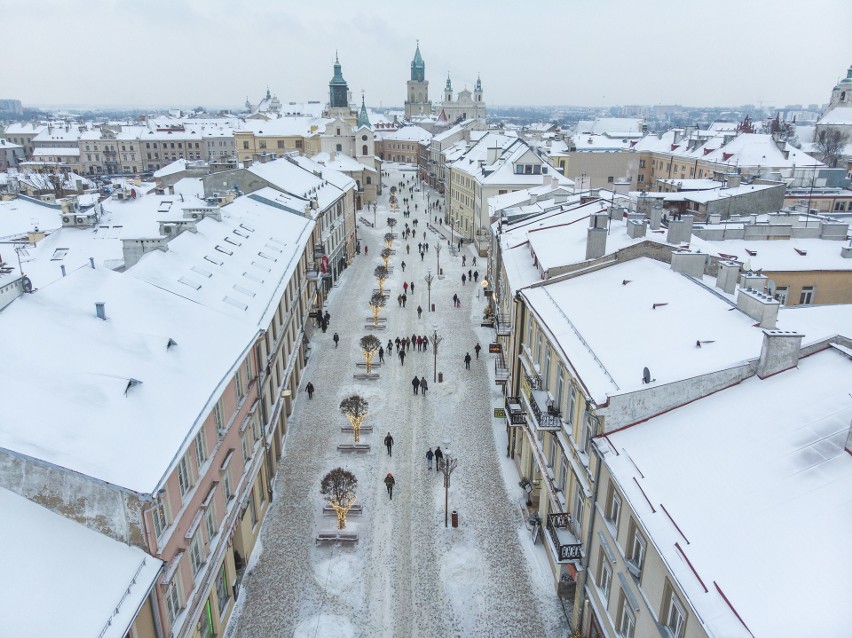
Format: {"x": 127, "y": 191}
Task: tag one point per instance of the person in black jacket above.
{"x": 439, "y": 456}
{"x": 389, "y": 443}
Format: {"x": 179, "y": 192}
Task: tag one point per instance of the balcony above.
{"x": 565, "y": 544}
{"x": 549, "y": 418}
{"x": 319, "y": 251}
{"x": 515, "y": 413}
{"x": 504, "y": 325}
{"x": 501, "y": 372}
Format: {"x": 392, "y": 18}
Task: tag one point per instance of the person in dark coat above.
{"x": 415, "y": 383}
{"x": 404, "y": 299}
{"x": 389, "y": 443}
{"x": 467, "y": 361}
{"x": 429, "y": 457}
{"x": 464, "y": 278}
{"x": 412, "y": 287}
{"x": 336, "y": 339}
{"x": 476, "y": 275}
{"x": 463, "y": 260}
{"x": 423, "y": 385}
{"x": 390, "y": 346}
{"x": 327, "y": 317}
{"x": 476, "y": 349}
{"x": 310, "y": 390}
{"x": 470, "y": 274}
{"x": 389, "y": 483}
{"x": 402, "y": 358}
{"x": 438, "y": 457}
{"x": 419, "y": 311}
{"x": 381, "y": 355}
{"x": 403, "y": 266}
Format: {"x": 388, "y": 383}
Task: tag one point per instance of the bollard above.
{"x": 433, "y": 307}
{"x": 441, "y": 272}
{"x": 455, "y": 518}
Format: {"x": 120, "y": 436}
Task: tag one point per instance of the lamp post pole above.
{"x": 446, "y": 466}
{"x": 429, "y": 279}
{"x": 438, "y": 256}
{"x": 435, "y": 339}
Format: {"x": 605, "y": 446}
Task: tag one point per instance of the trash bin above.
{"x": 455, "y": 518}
{"x": 440, "y": 377}
{"x": 433, "y": 307}
{"x": 441, "y": 272}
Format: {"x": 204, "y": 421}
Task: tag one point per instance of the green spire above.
{"x": 418, "y": 66}
{"x": 363, "y": 118}
{"x": 338, "y": 74}
{"x": 478, "y": 86}
{"x": 449, "y": 85}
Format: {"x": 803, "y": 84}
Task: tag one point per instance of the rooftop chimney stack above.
{"x": 656, "y": 216}
{"x": 779, "y": 352}
{"x": 596, "y": 236}
{"x": 758, "y": 306}
{"x": 726, "y": 279}
{"x": 680, "y": 230}
{"x": 100, "y": 310}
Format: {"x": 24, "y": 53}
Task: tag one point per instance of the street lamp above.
{"x": 429, "y": 278}
{"x": 446, "y": 466}
{"x": 438, "y": 256}
{"x": 435, "y": 339}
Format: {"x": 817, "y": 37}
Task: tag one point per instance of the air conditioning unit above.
{"x": 168, "y": 230}
{"x": 66, "y": 219}
{"x": 80, "y": 220}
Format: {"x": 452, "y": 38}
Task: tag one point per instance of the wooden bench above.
{"x": 361, "y": 364}
{"x": 365, "y": 222}
{"x": 357, "y": 509}
{"x": 363, "y": 376}
{"x": 349, "y": 428}
{"x": 353, "y": 447}
{"x": 336, "y": 537}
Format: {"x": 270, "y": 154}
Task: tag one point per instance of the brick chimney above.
{"x": 780, "y": 351}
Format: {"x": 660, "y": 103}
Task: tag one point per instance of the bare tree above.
{"x": 338, "y": 486}
{"x": 386, "y": 255}
{"x": 381, "y": 274}
{"x": 369, "y": 347}
{"x": 377, "y": 302}
{"x": 355, "y": 409}
{"x": 388, "y": 240}
{"x": 830, "y": 142}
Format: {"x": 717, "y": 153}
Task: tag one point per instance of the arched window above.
{"x": 364, "y": 150}
{"x": 369, "y": 180}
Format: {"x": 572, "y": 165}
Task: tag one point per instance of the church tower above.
{"x": 417, "y": 102}
{"x": 338, "y": 90}
{"x": 448, "y": 90}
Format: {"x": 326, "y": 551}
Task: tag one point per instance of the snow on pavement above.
{"x": 408, "y": 575}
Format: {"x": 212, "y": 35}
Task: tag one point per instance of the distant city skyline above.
{"x": 216, "y": 54}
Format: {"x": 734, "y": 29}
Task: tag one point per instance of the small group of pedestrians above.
{"x": 420, "y": 385}
{"x": 437, "y": 455}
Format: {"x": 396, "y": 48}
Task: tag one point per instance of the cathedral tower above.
{"x": 417, "y": 102}
{"x": 338, "y": 90}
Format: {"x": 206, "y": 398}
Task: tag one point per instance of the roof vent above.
{"x": 171, "y": 343}
{"x": 131, "y": 383}
{"x": 100, "y": 310}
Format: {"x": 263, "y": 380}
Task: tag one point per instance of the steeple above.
{"x": 449, "y": 85}
{"x": 338, "y": 90}
{"x": 363, "y": 118}
{"x": 418, "y": 66}
{"x": 478, "y": 86}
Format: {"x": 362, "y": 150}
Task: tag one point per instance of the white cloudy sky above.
{"x": 581, "y": 52}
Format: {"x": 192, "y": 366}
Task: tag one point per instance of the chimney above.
{"x": 100, "y": 310}
{"x": 171, "y": 190}
{"x": 596, "y": 236}
{"x": 732, "y": 180}
{"x": 62, "y": 269}
{"x": 656, "y": 216}
{"x": 754, "y": 281}
{"x": 615, "y": 212}
{"x": 92, "y": 262}
{"x": 680, "y": 230}
{"x": 636, "y": 228}
{"x": 689, "y": 263}
{"x": 621, "y": 186}
{"x": 758, "y": 306}
{"x": 726, "y": 279}
{"x": 779, "y": 352}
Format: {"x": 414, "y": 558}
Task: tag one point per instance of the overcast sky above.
{"x": 546, "y": 52}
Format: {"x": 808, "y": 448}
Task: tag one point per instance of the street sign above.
{"x": 495, "y": 348}
{"x": 499, "y": 413}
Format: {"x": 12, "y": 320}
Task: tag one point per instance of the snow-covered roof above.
{"x": 747, "y": 475}
{"x": 178, "y": 166}
{"x": 341, "y": 162}
{"x": 406, "y": 134}
{"x": 838, "y": 116}
{"x": 21, "y": 215}
{"x": 619, "y": 126}
{"x": 305, "y": 178}
{"x": 790, "y": 255}
{"x": 89, "y": 581}
{"x": 285, "y": 126}
{"x": 56, "y": 150}
{"x": 585, "y": 142}
{"x": 693, "y": 184}
{"x": 219, "y": 284}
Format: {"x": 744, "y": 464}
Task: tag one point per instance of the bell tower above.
{"x": 338, "y": 90}
{"x": 417, "y": 102}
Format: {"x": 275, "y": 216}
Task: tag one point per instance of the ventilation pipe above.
{"x": 100, "y": 310}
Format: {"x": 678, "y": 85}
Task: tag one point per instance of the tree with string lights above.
{"x": 338, "y": 487}
{"x": 355, "y": 409}
{"x": 381, "y": 274}
{"x": 388, "y": 240}
{"x": 385, "y": 256}
{"x": 369, "y": 347}
{"x": 377, "y": 302}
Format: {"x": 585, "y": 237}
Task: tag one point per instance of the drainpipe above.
{"x": 587, "y": 558}
{"x": 510, "y": 431}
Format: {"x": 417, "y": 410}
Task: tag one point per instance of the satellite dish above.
{"x": 26, "y": 284}
{"x": 646, "y": 375}
{"x": 770, "y": 286}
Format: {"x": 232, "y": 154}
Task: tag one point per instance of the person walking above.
{"x": 366, "y": 249}
{"x": 464, "y": 278}
{"x": 463, "y": 259}
{"x": 439, "y": 456}
{"x": 389, "y": 483}
{"x": 407, "y": 249}
{"x": 423, "y": 385}
{"x": 476, "y": 275}
{"x": 336, "y": 339}
{"x": 402, "y": 358}
{"x": 405, "y": 287}
{"x": 429, "y": 457}
{"x": 415, "y": 383}
{"x": 474, "y": 260}
{"x": 381, "y": 355}
{"x": 403, "y": 266}
{"x": 390, "y": 346}
{"x": 422, "y": 255}
{"x": 467, "y": 361}
{"x": 412, "y": 287}
{"x": 476, "y": 349}
{"x": 404, "y": 299}
{"x": 310, "y": 390}
{"x": 419, "y": 311}
{"x": 327, "y": 317}
{"x": 470, "y": 274}
{"x": 389, "y": 443}
{"x": 399, "y": 300}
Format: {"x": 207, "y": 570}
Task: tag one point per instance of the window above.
{"x": 588, "y": 433}
{"x": 674, "y": 616}
{"x": 238, "y": 384}
{"x": 245, "y": 144}
{"x": 610, "y": 179}
{"x": 196, "y": 553}
{"x": 161, "y": 516}
{"x": 641, "y": 178}
{"x": 184, "y": 476}
{"x": 247, "y": 447}
{"x": 572, "y": 404}
{"x": 636, "y": 558}
{"x": 807, "y": 296}
{"x": 364, "y": 151}
{"x": 604, "y": 576}
{"x": 560, "y": 388}
{"x": 339, "y": 147}
{"x": 298, "y": 143}
{"x": 626, "y": 620}
{"x": 369, "y": 179}
{"x": 551, "y": 454}
{"x": 210, "y": 522}
{"x": 641, "y": 163}
{"x": 338, "y": 132}
{"x": 200, "y": 450}
{"x": 173, "y": 601}
{"x": 262, "y": 143}
{"x": 252, "y": 509}
{"x": 217, "y": 418}
{"x": 223, "y": 591}
{"x": 547, "y": 368}
{"x": 256, "y": 428}
{"x": 613, "y": 507}
{"x": 226, "y": 486}
{"x": 579, "y": 507}
{"x": 563, "y": 475}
